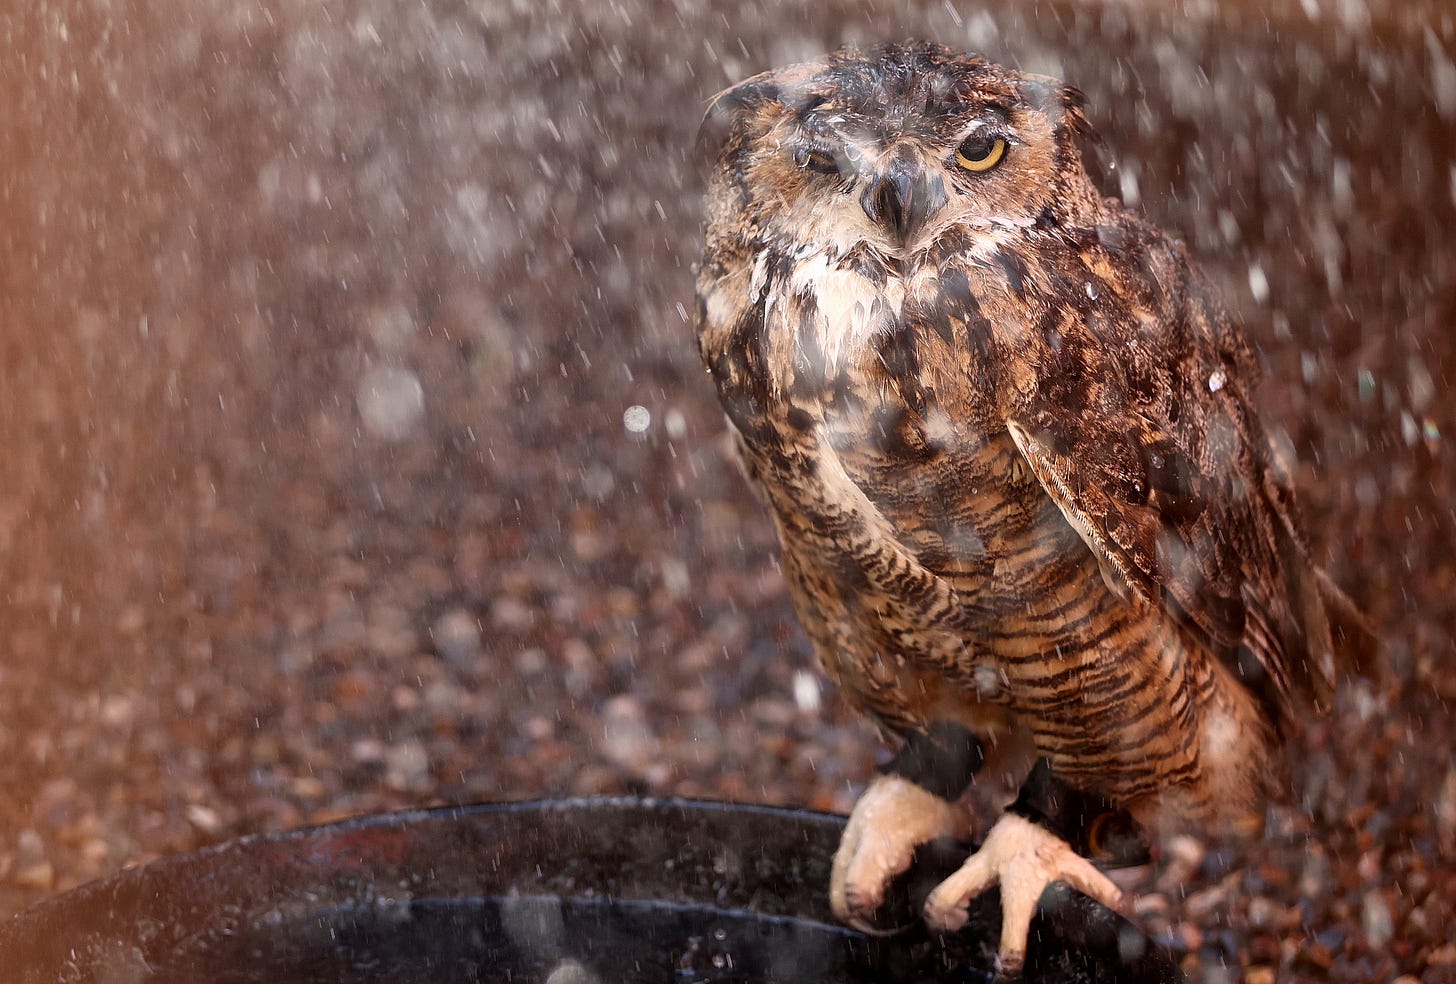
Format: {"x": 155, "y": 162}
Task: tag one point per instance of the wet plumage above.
{"x": 1005, "y": 431}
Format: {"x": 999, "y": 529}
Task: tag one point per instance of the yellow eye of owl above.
{"x": 980, "y": 152}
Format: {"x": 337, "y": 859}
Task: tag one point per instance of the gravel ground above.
{"x": 320, "y": 323}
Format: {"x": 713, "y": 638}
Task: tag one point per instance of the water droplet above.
{"x": 391, "y": 326}
{"x": 597, "y": 481}
{"x": 1128, "y": 185}
{"x": 676, "y": 578}
{"x": 391, "y": 402}
{"x": 988, "y": 680}
{"x": 1258, "y": 283}
{"x": 1409, "y": 430}
{"x": 636, "y": 418}
{"x": 806, "y": 691}
{"x": 1366, "y": 381}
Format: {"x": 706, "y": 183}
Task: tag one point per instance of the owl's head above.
{"x": 894, "y": 145}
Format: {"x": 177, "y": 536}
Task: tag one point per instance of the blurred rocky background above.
{"x": 355, "y": 454}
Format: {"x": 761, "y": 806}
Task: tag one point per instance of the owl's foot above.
{"x": 1023, "y": 858}
{"x": 893, "y": 818}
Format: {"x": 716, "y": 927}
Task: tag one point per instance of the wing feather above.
{"x": 1150, "y": 449}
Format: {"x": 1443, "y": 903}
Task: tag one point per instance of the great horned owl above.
{"x": 1028, "y": 517}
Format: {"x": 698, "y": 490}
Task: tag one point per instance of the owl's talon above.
{"x": 891, "y": 819}
{"x": 1023, "y": 858}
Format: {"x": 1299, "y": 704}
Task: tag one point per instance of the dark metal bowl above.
{"x": 563, "y": 892}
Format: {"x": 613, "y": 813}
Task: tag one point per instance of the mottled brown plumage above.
{"x": 1005, "y": 432}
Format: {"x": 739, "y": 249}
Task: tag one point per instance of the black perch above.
{"x": 565, "y": 892}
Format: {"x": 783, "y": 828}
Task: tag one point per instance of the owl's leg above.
{"x": 913, "y": 803}
{"x": 1037, "y": 842}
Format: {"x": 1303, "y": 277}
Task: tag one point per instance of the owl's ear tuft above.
{"x": 1074, "y": 114}
{"x": 793, "y": 90}
{"x": 730, "y": 107}
{"x": 1062, "y": 102}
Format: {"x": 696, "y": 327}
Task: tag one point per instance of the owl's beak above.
{"x": 902, "y": 196}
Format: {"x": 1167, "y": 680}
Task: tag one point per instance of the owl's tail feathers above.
{"x": 1339, "y": 640}
{"x": 1327, "y": 638}
{"x": 1354, "y": 638}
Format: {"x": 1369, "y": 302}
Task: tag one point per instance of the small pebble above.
{"x": 204, "y": 818}
{"x": 1443, "y": 956}
{"x": 367, "y": 750}
{"x": 456, "y": 635}
{"x": 1376, "y": 919}
{"x": 307, "y": 787}
{"x": 1264, "y": 912}
{"x": 627, "y": 740}
{"x": 407, "y": 765}
{"x": 40, "y": 876}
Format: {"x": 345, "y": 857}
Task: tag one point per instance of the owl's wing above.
{"x": 1190, "y": 514}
